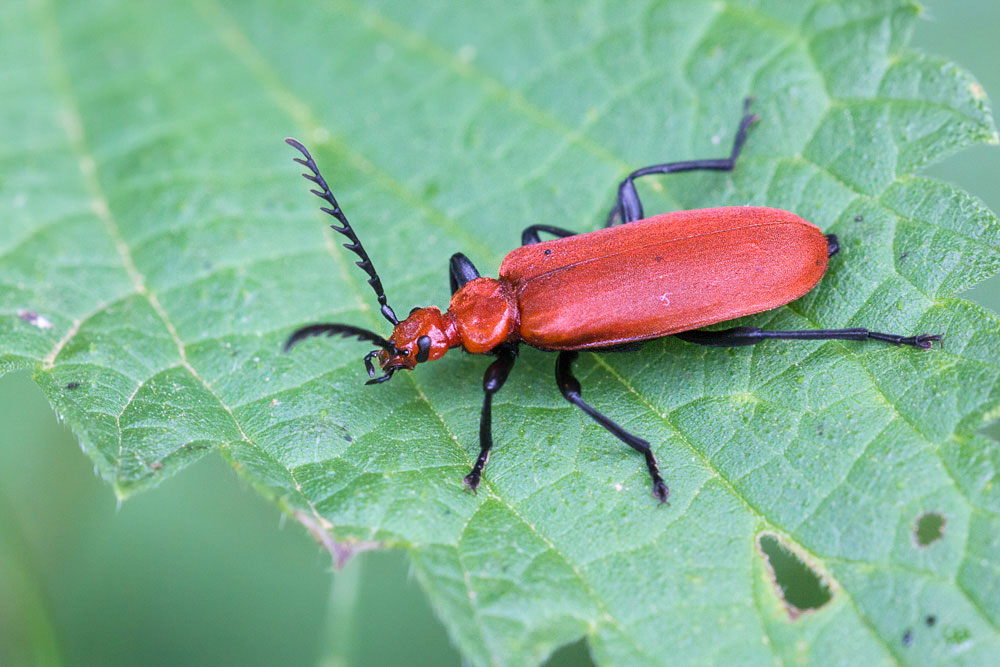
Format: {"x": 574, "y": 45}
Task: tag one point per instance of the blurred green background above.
{"x": 203, "y": 570}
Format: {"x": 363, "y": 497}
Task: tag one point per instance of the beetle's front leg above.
{"x": 494, "y": 378}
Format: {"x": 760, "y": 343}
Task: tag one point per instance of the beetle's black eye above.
{"x": 423, "y": 348}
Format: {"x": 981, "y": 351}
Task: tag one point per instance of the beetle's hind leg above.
{"x": 569, "y": 386}
{"x": 739, "y": 336}
{"x": 496, "y": 375}
{"x": 628, "y": 207}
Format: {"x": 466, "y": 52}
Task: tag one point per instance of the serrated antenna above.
{"x": 345, "y": 330}
{"x": 346, "y": 229}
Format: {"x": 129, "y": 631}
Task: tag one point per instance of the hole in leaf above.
{"x": 576, "y": 655}
{"x": 800, "y": 587}
{"x": 929, "y": 528}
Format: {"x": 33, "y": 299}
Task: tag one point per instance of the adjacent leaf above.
{"x": 157, "y": 245}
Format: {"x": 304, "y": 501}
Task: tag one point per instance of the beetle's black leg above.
{"x": 461, "y": 271}
{"x": 494, "y": 378}
{"x": 530, "y": 235}
{"x": 570, "y": 388}
{"x": 832, "y": 245}
{"x": 738, "y": 336}
{"x": 629, "y": 208}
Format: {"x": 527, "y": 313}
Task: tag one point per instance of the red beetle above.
{"x": 635, "y": 280}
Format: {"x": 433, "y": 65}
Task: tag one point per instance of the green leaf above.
{"x": 157, "y": 246}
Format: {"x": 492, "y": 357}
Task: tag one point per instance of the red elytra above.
{"x": 661, "y": 275}
{"x": 645, "y": 278}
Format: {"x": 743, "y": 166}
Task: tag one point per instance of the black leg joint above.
{"x": 568, "y": 385}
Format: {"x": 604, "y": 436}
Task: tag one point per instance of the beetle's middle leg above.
{"x": 569, "y": 386}
{"x": 628, "y": 207}
{"x": 530, "y": 234}
{"x": 496, "y": 375}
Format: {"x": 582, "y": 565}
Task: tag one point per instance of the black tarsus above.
{"x": 460, "y": 271}
{"x": 569, "y": 386}
{"x": 368, "y": 363}
{"x": 629, "y": 208}
{"x": 739, "y": 336}
{"x": 496, "y": 374}
{"x": 387, "y": 376}
{"x": 355, "y": 244}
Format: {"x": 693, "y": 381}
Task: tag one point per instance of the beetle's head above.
{"x": 425, "y": 335}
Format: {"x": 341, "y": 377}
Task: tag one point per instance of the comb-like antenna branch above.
{"x": 345, "y": 330}
{"x": 334, "y": 210}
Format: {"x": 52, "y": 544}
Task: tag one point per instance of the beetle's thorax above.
{"x": 485, "y": 314}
